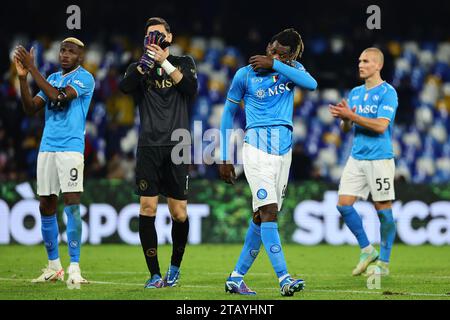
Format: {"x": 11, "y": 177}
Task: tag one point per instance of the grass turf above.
{"x": 118, "y": 272}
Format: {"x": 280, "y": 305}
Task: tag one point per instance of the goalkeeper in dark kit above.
{"x": 163, "y": 86}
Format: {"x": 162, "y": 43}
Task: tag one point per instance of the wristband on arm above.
{"x": 168, "y": 67}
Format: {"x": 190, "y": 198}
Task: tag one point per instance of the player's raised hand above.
{"x": 226, "y": 172}
{"x": 159, "y": 54}
{"x": 342, "y": 110}
{"x": 26, "y": 58}
{"x": 21, "y": 71}
{"x": 333, "y": 109}
{"x": 261, "y": 62}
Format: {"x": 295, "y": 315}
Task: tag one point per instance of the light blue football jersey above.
{"x": 377, "y": 102}
{"x": 268, "y": 104}
{"x": 64, "y": 130}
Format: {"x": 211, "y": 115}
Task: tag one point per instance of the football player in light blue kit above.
{"x": 370, "y": 111}
{"x": 266, "y": 87}
{"x": 66, "y": 96}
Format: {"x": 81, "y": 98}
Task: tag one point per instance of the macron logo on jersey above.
{"x": 388, "y": 108}
{"x": 79, "y": 83}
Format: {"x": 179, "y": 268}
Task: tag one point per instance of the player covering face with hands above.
{"x": 65, "y": 96}
{"x": 266, "y": 87}
{"x": 163, "y": 86}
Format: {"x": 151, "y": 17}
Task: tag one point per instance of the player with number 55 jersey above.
{"x": 370, "y": 112}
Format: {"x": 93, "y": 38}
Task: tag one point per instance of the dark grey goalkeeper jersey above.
{"x": 163, "y": 105}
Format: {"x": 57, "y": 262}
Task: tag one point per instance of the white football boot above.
{"x": 50, "y": 275}
{"x": 380, "y": 268}
{"x": 364, "y": 260}
{"x": 75, "y": 278}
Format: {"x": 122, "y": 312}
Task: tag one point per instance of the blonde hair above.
{"x": 74, "y": 41}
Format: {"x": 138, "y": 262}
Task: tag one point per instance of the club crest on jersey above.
{"x": 375, "y": 97}
{"x": 261, "y": 194}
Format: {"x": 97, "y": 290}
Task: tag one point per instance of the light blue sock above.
{"x": 250, "y": 249}
{"x": 50, "y": 232}
{"x": 387, "y": 231}
{"x": 73, "y": 231}
{"x": 354, "y": 223}
{"x": 271, "y": 240}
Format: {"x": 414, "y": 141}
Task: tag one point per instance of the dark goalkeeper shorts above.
{"x": 156, "y": 173}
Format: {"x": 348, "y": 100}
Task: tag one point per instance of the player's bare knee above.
{"x": 345, "y": 202}
{"x": 71, "y": 198}
{"x": 148, "y": 209}
{"x": 257, "y": 218}
{"x": 179, "y": 217}
{"x": 47, "y": 205}
{"x": 382, "y": 205}
{"x": 178, "y": 210}
{"x": 268, "y": 213}
{"x": 148, "y": 206}
{"x": 47, "y": 209}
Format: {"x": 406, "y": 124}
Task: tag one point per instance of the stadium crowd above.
{"x": 420, "y": 71}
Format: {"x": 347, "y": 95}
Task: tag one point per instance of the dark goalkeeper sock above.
{"x": 180, "y": 231}
{"x": 149, "y": 242}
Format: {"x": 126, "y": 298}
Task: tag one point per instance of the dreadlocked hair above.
{"x": 290, "y": 37}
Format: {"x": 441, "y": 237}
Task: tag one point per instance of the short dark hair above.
{"x": 290, "y": 37}
{"x": 154, "y": 21}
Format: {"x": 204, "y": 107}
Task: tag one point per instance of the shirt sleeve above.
{"x": 83, "y": 83}
{"x": 188, "y": 84}
{"x": 388, "y": 105}
{"x": 297, "y": 73}
{"x": 350, "y": 96}
{"x": 43, "y": 96}
{"x": 237, "y": 88}
{"x": 226, "y": 126}
{"x": 131, "y": 79}
{"x": 41, "y": 93}
{"x": 188, "y": 68}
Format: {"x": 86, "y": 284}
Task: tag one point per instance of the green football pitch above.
{"x": 118, "y": 272}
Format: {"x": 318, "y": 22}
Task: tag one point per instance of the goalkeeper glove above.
{"x": 147, "y": 61}
{"x": 158, "y": 38}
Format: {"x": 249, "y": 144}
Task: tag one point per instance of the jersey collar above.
{"x": 373, "y": 87}
{"x": 66, "y": 74}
